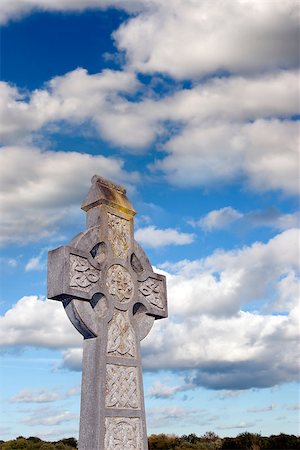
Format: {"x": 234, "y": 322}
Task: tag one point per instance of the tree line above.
{"x": 209, "y": 441}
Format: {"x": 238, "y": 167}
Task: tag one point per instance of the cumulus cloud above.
{"x": 208, "y": 332}
{"x": 72, "y": 359}
{"x": 225, "y": 128}
{"x": 18, "y": 8}
{"x": 27, "y": 323}
{"x": 218, "y": 219}
{"x": 35, "y": 201}
{"x": 272, "y": 218}
{"x": 226, "y": 152}
{"x": 153, "y": 237}
{"x": 218, "y": 330}
{"x": 223, "y": 282}
{"x": 229, "y": 99}
{"x": 188, "y": 39}
{"x": 62, "y": 99}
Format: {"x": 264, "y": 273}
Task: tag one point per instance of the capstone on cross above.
{"x": 112, "y": 297}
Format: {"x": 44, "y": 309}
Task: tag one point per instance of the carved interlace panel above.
{"x": 122, "y": 387}
{"x": 119, "y": 283}
{"x": 121, "y": 337}
{"x": 152, "y": 290}
{"x": 82, "y": 274}
{"x": 123, "y": 433}
{"x": 118, "y": 235}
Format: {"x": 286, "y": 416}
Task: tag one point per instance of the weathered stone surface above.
{"x": 121, "y": 340}
{"x": 112, "y": 296}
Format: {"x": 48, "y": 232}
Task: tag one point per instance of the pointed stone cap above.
{"x": 104, "y": 192}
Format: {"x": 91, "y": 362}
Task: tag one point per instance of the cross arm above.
{"x": 74, "y": 278}
{"x": 152, "y": 293}
{"x": 72, "y": 273}
{"x": 151, "y": 286}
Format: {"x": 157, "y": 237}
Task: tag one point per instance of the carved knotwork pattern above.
{"x": 82, "y": 274}
{"x": 123, "y": 433}
{"x": 153, "y": 291}
{"x": 121, "y": 337}
{"x": 119, "y": 283}
{"x": 118, "y": 235}
{"x": 121, "y": 387}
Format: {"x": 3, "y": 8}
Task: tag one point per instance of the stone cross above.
{"x": 112, "y": 297}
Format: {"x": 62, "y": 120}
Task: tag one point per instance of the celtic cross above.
{"x": 112, "y": 297}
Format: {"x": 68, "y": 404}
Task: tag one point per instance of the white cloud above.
{"x": 288, "y": 289}
{"x": 188, "y": 39}
{"x": 62, "y": 99}
{"x": 18, "y": 8}
{"x": 72, "y": 359}
{"x": 286, "y": 221}
{"x": 35, "y": 263}
{"x": 73, "y": 391}
{"x": 219, "y": 218}
{"x": 9, "y": 262}
{"x": 226, "y": 152}
{"x": 162, "y": 417}
{"x": 154, "y": 237}
{"x": 159, "y": 390}
{"x": 223, "y": 217}
{"x": 240, "y": 425}
{"x": 294, "y": 407}
{"x": 234, "y": 99}
{"x": 48, "y": 190}
{"x": 207, "y": 333}
{"x": 228, "y": 129}
{"x": 228, "y": 394}
{"x": 46, "y": 416}
{"x": 262, "y": 409}
{"x": 223, "y": 282}
{"x": 43, "y": 395}
{"x": 27, "y": 324}
{"x": 29, "y": 396}
{"x": 270, "y": 217}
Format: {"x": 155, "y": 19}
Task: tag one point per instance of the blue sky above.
{"x": 194, "y": 107}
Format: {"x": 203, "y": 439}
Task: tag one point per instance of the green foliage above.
{"x": 244, "y": 441}
{"x": 162, "y": 441}
{"x": 71, "y": 442}
{"x": 282, "y": 441}
{"x": 35, "y": 443}
{"x": 209, "y": 441}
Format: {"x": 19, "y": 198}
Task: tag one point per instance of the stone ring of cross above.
{"x": 104, "y": 269}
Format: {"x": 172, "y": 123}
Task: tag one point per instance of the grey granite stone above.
{"x": 112, "y": 297}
